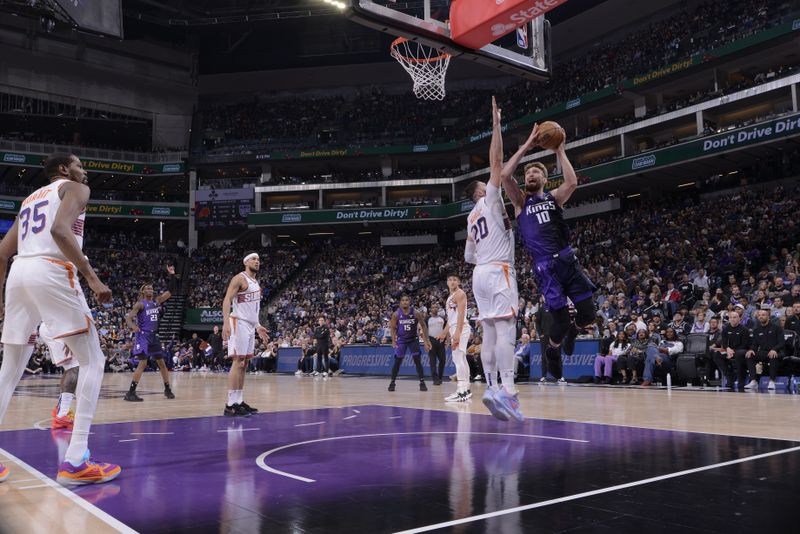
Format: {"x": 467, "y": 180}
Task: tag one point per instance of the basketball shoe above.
{"x": 491, "y": 402}
{"x": 90, "y": 471}
{"x": 4, "y": 472}
{"x": 509, "y": 403}
{"x": 63, "y": 423}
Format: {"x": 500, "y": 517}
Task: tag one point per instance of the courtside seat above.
{"x": 686, "y": 366}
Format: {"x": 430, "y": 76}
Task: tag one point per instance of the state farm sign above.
{"x": 476, "y": 23}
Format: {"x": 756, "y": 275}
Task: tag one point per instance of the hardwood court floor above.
{"x": 30, "y": 502}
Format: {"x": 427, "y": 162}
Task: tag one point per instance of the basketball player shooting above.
{"x": 239, "y": 328}
{"x": 42, "y": 286}
{"x": 490, "y": 246}
{"x": 143, "y": 321}
{"x": 545, "y": 234}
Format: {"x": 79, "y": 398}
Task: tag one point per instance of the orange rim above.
{"x": 396, "y": 53}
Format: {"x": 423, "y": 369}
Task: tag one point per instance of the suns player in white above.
{"x": 459, "y": 332}
{"x": 490, "y": 246}
{"x": 239, "y": 329}
{"x": 42, "y": 286}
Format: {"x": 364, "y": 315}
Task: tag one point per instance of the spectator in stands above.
{"x": 700, "y": 325}
{"x": 681, "y": 327}
{"x": 793, "y": 317}
{"x": 766, "y": 346}
{"x": 634, "y": 362}
{"x": 661, "y": 358}
{"x": 522, "y": 357}
{"x": 604, "y": 364}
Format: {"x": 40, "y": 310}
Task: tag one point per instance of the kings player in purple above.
{"x": 143, "y": 322}
{"x": 405, "y": 339}
{"x": 545, "y": 235}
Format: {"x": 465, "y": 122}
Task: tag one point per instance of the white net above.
{"x": 426, "y": 66}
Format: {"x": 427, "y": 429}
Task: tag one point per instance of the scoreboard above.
{"x": 222, "y": 208}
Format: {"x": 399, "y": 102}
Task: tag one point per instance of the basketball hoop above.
{"x": 426, "y": 66}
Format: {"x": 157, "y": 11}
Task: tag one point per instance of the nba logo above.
{"x": 522, "y": 37}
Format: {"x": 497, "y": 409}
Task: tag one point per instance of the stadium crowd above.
{"x": 292, "y": 123}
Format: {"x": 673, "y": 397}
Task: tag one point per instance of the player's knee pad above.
{"x": 585, "y": 312}
{"x": 560, "y": 325}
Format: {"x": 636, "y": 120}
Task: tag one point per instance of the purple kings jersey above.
{"x": 406, "y": 326}
{"x": 542, "y": 227}
{"x": 147, "y": 319}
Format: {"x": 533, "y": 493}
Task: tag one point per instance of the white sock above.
{"x": 488, "y": 354}
{"x": 239, "y": 396}
{"x": 15, "y": 358}
{"x": 504, "y": 352}
{"x": 64, "y": 404}
{"x": 232, "y": 397}
{"x": 86, "y": 348}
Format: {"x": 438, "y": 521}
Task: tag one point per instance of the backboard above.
{"x": 525, "y": 52}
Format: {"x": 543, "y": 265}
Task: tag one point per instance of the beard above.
{"x": 532, "y": 189}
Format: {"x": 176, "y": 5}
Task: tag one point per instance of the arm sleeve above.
{"x": 469, "y": 252}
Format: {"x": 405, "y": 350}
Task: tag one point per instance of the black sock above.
{"x": 166, "y": 385}
{"x": 133, "y": 387}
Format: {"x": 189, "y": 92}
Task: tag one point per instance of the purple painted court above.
{"x": 385, "y": 469}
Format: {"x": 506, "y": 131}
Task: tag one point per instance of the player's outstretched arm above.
{"x": 496, "y": 148}
{"x": 130, "y": 317}
{"x": 8, "y": 247}
{"x": 393, "y": 329}
{"x": 74, "y": 197}
{"x": 424, "y": 324}
{"x": 510, "y": 185}
{"x": 461, "y": 314}
{"x": 234, "y": 287}
{"x": 565, "y": 190}
{"x": 172, "y": 286}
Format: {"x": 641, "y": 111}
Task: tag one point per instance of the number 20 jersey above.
{"x": 35, "y": 220}
{"x": 542, "y": 227}
{"x": 489, "y": 227}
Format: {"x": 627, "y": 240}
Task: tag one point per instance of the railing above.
{"x": 98, "y": 153}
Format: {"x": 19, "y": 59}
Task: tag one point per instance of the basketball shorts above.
{"x": 463, "y": 341}
{"x": 495, "y": 288}
{"x": 242, "y": 342}
{"x": 147, "y": 344}
{"x": 60, "y": 354}
{"x": 44, "y": 290}
{"x": 560, "y": 277}
{"x": 406, "y": 347}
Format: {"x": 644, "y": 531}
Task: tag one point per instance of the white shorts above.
{"x": 242, "y": 342}
{"x": 44, "y": 290}
{"x": 60, "y": 354}
{"x": 495, "y": 288}
{"x": 463, "y": 342}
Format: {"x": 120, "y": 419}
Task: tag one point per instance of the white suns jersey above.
{"x": 247, "y": 305}
{"x": 489, "y": 227}
{"x": 452, "y": 315}
{"x": 35, "y": 221}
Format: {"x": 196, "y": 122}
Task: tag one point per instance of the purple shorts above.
{"x": 148, "y": 344}
{"x": 562, "y": 277}
{"x": 404, "y": 347}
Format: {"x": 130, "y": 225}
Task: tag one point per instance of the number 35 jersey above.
{"x": 489, "y": 228}
{"x": 542, "y": 227}
{"x": 35, "y": 220}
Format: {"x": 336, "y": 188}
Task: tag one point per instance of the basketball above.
{"x": 550, "y": 135}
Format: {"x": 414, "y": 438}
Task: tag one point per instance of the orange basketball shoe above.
{"x": 90, "y": 471}
{"x": 4, "y": 472}
{"x": 64, "y": 423}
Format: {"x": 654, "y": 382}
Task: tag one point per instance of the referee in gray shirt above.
{"x": 436, "y": 333}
